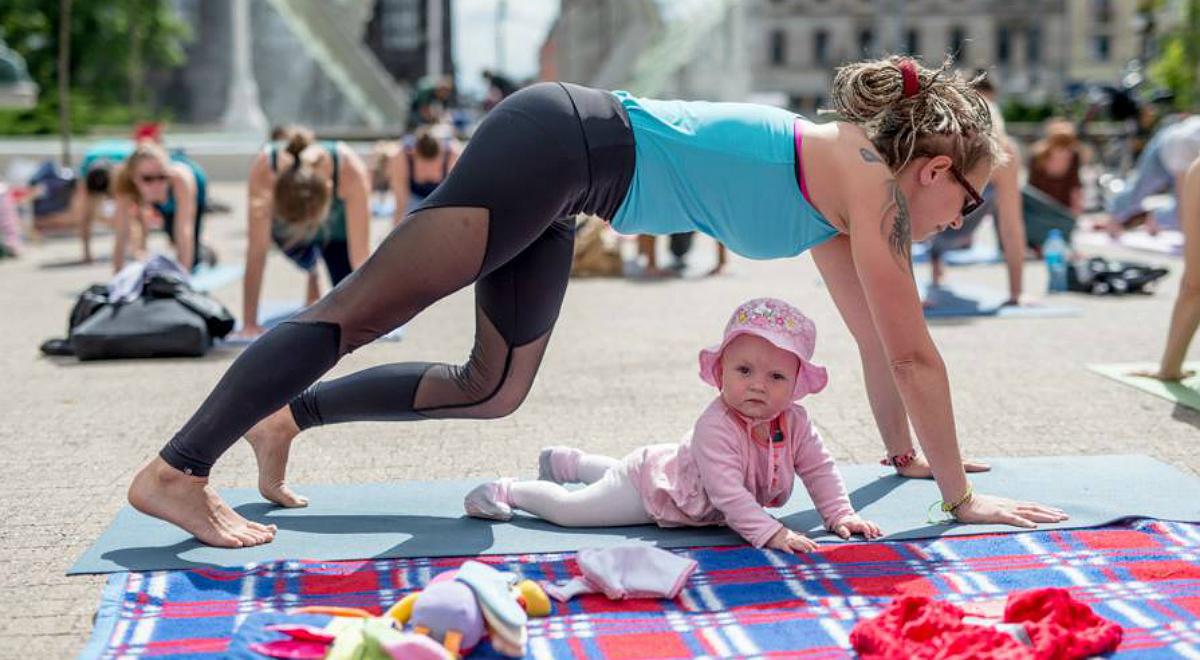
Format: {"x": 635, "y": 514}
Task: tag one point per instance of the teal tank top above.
{"x": 725, "y": 169}
{"x": 334, "y": 227}
{"x": 111, "y": 151}
{"x": 168, "y": 208}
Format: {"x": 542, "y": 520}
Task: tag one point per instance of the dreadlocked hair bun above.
{"x": 945, "y": 115}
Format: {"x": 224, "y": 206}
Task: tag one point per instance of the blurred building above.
{"x": 1035, "y": 48}
{"x": 328, "y": 63}
{"x": 661, "y": 48}
{"x": 595, "y": 42}
{"x": 412, "y": 38}
{"x": 1105, "y": 36}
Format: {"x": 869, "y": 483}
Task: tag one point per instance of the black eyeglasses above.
{"x": 971, "y": 205}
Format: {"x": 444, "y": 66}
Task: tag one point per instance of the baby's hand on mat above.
{"x": 991, "y": 509}
{"x": 785, "y": 540}
{"x": 919, "y": 468}
{"x": 852, "y": 524}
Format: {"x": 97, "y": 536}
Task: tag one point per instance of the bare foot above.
{"x": 272, "y": 440}
{"x": 920, "y": 469}
{"x": 186, "y": 501}
{"x": 1165, "y": 377}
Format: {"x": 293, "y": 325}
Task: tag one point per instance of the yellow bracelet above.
{"x": 946, "y": 507}
{"x": 949, "y": 508}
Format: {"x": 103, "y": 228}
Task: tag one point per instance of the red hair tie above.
{"x": 912, "y": 84}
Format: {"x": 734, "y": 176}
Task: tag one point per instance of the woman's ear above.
{"x": 934, "y": 168}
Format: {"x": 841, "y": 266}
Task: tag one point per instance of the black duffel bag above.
{"x": 1100, "y": 276}
{"x": 217, "y": 319}
{"x": 143, "y": 328}
{"x": 168, "y": 320}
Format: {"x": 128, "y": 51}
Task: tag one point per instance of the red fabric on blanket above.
{"x": 1059, "y": 627}
{"x": 919, "y": 627}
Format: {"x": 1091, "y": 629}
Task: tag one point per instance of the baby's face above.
{"x": 757, "y": 378}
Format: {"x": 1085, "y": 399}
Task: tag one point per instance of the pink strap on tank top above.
{"x": 796, "y": 130}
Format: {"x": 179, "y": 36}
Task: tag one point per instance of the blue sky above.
{"x": 475, "y": 38}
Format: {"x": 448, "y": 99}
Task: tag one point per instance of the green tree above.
{"x": 1177, "y": 66}
{"x": 115, "y": 46}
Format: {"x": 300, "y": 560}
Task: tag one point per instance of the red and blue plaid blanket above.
{"x": 1142, "y": 574}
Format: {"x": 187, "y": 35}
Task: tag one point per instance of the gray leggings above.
{"x": 500, "y": 220}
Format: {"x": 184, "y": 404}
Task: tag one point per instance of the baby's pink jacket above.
{"x": 718, "y": 474}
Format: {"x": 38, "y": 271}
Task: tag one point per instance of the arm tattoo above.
{"x": 869, "y": 156}
{"x": 899, "y": 234}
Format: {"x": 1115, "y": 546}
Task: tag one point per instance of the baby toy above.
{"x": 444, "y": 621}
{"x": 458, "y": 607}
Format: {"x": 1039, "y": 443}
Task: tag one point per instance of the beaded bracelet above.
{"x": 947, "y": 507}
{"x": 900, "y": 460}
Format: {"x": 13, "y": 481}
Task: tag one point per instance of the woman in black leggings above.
{"x": 501, "y": 220}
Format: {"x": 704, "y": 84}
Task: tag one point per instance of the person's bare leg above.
{"x": 187, "y": 501}
{"x": 646, "y": 247}
{"x": 85, "y": 231}
{"x": 83, "y": 208}
{"x": 272, "y": 442}
{"x": 140, "y": 230}
{"x": 1185, "y": 316}
{"x": 313, "y": 291}
{"x": 720, "y": 267}
{"x": 936, "y": 274}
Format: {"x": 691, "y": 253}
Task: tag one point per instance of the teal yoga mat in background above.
{"x": 1185, "y": 392}
{"x": 210, "y": 278}
{"x": 966, "y": 300}
{"x": 425, "y": 519}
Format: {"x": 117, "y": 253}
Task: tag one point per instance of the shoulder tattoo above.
{"x": 898, "y": 232}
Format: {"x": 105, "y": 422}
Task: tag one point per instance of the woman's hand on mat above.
{"x": 249, "y": 333}
{"x": 785, "y": 540}
{"x": 852, "y": 524}
{"x": 1158, "y": 374}
{"x": 919, "y": 468}
{"x": 982, "y": 509}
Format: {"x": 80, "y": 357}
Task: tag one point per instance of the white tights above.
{"x": 608, "y": 500}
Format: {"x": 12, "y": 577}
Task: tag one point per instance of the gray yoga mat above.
{"x": 425, "y": 519}
{"x": 966, "y": 300}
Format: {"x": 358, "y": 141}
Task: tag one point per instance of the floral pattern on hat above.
{"x": 779, "y": 323}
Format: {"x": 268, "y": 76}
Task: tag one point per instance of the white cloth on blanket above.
{"x": 626, "y": 572}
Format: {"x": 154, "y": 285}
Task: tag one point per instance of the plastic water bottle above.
{"x": 1054, "y": 251}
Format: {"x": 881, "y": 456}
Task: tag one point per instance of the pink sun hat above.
{"x": 782, "y": 325}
